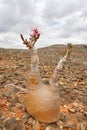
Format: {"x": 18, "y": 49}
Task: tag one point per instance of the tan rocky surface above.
{"x": 72, "y": 80}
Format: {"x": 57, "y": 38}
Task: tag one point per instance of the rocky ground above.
{"x": 72, "y": 80}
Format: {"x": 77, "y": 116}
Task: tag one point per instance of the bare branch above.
{"x": 22, "y": 37}
{"x": 59, "y": 66}
{"x": 30, "y": 44}
{"x": 32, "y": 40}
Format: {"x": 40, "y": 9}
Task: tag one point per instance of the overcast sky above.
{"x": 60, "y": 21}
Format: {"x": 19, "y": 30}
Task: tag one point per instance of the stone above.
{"x": 10, "y": 92}
{"x": 2, "y": 118}
{"x": 50, "y": 128}
{"x": 63, "y": 117}
{"x": 12, "y": 124}
{"x": 75, "y": 104}
{"x": 25, "y": 117}
{"x": 80, "y": 116}
{"x": 14, "y": 99}
{"x": 81, "y": 126}
{"x": 70, "y": 126}
{"x": 85, "y": 113}
{"x": 72, "y": 110}
{"x": 19, "y": 105}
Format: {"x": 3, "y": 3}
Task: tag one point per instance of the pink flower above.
{"x": 35, "y": 31}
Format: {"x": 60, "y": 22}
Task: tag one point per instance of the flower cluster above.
{"x": 35, "y": 33}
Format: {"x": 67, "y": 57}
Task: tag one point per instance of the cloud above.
{"x": 69, "y": 16}
{"x": 15, "y": 12}
{"x": 59, "y": 21}
{"x": 58, "y": 9}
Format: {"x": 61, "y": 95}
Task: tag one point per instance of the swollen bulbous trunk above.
{"x": 42, "y": 101}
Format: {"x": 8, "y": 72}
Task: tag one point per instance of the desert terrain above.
{"x": 72, "y": 81}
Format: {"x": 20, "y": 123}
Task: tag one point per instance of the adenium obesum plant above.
{"x": 42, "y": 100}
